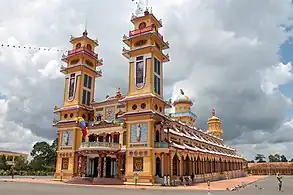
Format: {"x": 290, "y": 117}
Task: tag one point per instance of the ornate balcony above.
{"x": 55, "y": 121}
{"x": 148, "y": 29}
{"x": 125, "y": 53}
{"x": 99, "y": 73}
{"x": 100, "y": 62}
{"x": 140, "y": 31}
{"x": 82, "y": 50}
{"x": 161, "y": 145}
{"x": 100, "y": 145}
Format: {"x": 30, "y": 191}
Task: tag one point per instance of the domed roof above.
{"x": 182, "y": 98}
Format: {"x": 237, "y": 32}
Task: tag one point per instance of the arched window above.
{"x": 99, "y": 117}
{"x": 89, "y": 47}
{"x": 116, "y": 138}
{"x": 157, "y": 136}
{"x": 92, "y": 138}
{"x": 142, "y": 25}
{"x": 78, "y": 45}
{"x": 101, "y": 139}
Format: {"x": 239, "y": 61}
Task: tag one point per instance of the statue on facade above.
{"x": 138, "y": 132}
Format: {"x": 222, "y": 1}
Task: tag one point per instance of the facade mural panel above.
{"x": 71, "y": 86}
{"x": 110, "y": 113}
{"x": 139, "y": 133}
{"x": 67, "y": 136}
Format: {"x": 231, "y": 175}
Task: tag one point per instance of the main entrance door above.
{"x": 96, "y": 164}
{"x": 108, "y": 167}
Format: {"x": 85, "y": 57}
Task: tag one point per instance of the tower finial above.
{"x": 84, "y": 33}
{"x": 182, "y": 92}
{"x": 213, "y": 112}
{"x": 118, "y": 92}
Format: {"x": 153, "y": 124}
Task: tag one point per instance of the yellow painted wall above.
{"x": 83, "y": 43}
{"x": 182, "y": 107}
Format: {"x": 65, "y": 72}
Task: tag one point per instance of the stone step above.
{"x": 107, "y": 181}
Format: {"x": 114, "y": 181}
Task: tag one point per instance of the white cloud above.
{"x": 51, "y": 70}
{"x": 276, "y": 76}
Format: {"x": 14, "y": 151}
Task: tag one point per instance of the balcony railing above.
{"x": 180, "y": 114}
{"x": 161, "y": 145}
{"x": 102, "y": 145}
{"x": 145, "y": 30}
{"x": 81, "y": 50}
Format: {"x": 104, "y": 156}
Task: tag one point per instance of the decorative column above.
{"x": 170, "y": 165}
{"x": 79, "y": 165}
{"x": 83, "y": 165}
{"x": 104, "y": 170}
{"x": 181, "y": 165}
{"x": 162, "y": 164}
{"x": 99, "y": 166}
{"x": 119, "y": 165}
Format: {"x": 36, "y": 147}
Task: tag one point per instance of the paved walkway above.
{"x": 217, "y": 185}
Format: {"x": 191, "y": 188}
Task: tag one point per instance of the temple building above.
{"x": 11, "y": 157}
{"x": 132, "y": 135}
{"x": 271, "y": 168}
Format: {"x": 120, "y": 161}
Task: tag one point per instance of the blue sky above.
{"x": 286, "y": 53}
{"x": 2, "y": 96}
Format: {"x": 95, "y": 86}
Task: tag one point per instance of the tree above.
{"x": 277, "y": 158}
{"x": 291, "y": 160}
{"x": 3, "y": 163}
{"x": 44, "y": 156}
{"x": 271, "y": 158}
{"x": 283, "y": 158}
{"x": 260, "y": 158}
{"x": 20, "y": 164}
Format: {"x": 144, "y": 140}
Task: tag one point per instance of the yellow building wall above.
{"x": 182, "y": 107}
{"x": 148, "y": 20}
{"x": 148, "y": 172}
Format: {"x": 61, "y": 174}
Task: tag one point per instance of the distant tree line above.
{"x": 43, "y": 161}
{"x": 259, "y": 158}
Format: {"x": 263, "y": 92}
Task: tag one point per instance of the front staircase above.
{"x": 95, "y": 181}
{"x": 107, "y": 181}
{"x": 80, "y": 180}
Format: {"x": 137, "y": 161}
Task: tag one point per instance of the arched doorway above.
{"x": 158, "y": 167}
{"x": 186, "y": 166}
{"x": 176, "y": 162}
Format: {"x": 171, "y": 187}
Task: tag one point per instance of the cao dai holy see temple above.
{"x": 131, "y": 134}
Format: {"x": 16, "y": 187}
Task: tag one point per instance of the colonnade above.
{"x": 178, "y": 165}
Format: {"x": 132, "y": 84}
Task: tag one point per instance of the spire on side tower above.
{"x": 214, "y": 125}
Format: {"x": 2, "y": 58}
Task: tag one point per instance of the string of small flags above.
{"x": 32, "y": 48}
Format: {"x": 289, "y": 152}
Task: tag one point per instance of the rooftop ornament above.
{"x": 181, "y": 92}
{"x": 118, "y": 92}
{"x": 84, "y": 33}
{"x": 213, "y": 112}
